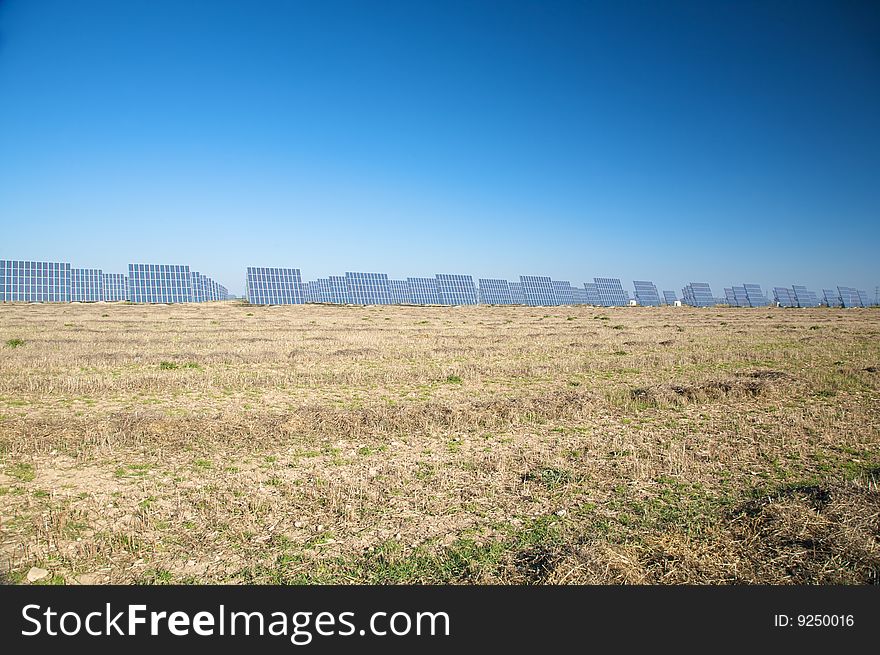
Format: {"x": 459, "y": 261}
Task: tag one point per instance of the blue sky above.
{"x": 679, "y": 141}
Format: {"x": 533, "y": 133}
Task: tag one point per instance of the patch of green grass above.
{"x": 167, "y": 366}
{"x": 14, "y": 343}
{"x": 453, "y": 379}
{"x": 21, "y": 471}
{"x": 390, "y": 562}
{"x": 192, "y": 365}
{"x": 548, "y": 476}
{"x": 157, "y": 577}
{"x": 202, "y": 464}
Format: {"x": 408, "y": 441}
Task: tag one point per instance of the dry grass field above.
{"x": 225, "y": 443}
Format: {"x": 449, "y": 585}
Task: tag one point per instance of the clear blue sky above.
{"x": 674, "y": 141}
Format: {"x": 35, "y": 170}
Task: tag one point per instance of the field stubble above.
{"x": 223, "y": 443}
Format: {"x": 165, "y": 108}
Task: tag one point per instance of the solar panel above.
{"x": 755, "y": 295}
{"x": 804, "y": 297}
{"x": 579, "y": 295}
{"x": 669, "y": 297}
{"x": 198, "y": 286}
{"x": 368, "y": 288}
{"x": 592, "y": 290}
{"x": 537, "y": 290}
{"x": 456, "y": 289}
{"x": 86, "y": 285}
{"x": 563, "y": 292}
{"x": 115, "y": 287}
{"x": 274, "y": 286}
{"x": 832, "y": 297}
{"x": 646, "y": 293}
{"x": 517, "y": 297}
{"x": 863, "y": 298}
{"x": 495, "y": 292}
{"x": 423, "y": 290}
{"x": 159, "y": 283}
{"x": 399, "y": 292}
{"x": 698, "y": 294}
{"x": 611, "y": 293}
{"x": 34, "y": 281}
{"x": 849, "y": 297}
{"x": 784, "y": 297}
{"x": 730, "y": 297}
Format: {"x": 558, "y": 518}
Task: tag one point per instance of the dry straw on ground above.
{"x": 227, "y": 443}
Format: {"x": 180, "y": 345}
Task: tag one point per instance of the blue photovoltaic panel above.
{"x": 804, "y": 297}
{"x": 34, "y": 281}
{"x": 730, "y": 298}
{"x": 424, "y": 290}
{"x": 115, "y": 287}
{"x": 495, "y": 292}
{"x": 312, "y": 291}
{"x": 563, "y": 292}
{"x": 198, "y": 286}
{"x": 755, "y": 295}
{"x": 517, "y": 297}
{"x": 579, "y": 295}
{"x": 646, "y": 293}
{"x": 338, "y": 290}
{"x": 611, "y": 293}
{"x": 698, "y": 294}
{"x": 863, "y": 298}
{"x": 86, "y": 285}
{"x": 456, "y": 289}
{"x": 832, "y": 297}
{"x": 322, "y": 290}
{"x": 399, "y": 292}
{"x": 742, "y": 297}
{"x": 537, "y": 290}
{"x": 849, "y": 297}
{"x": 274, "y": 286}
{"x": 669, "y": 297}
{"x": 592, "y": 290}
{"x": 368, "y": 288}
{"x": 159, "y": 283}
{"x": 784, "y": 297}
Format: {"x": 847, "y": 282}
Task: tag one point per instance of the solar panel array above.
{"x": 495, "y": 292}
{"x": 115, "y": 287}
{"x": 159, "y": 283}
{"x": 424, "y": 290}
{"x": 646, "y": 293}
{"x": 456, "y": 290}
{"x": 832, "y": 298}
{"x": 784, "y": 297}
{"x": 29, "y": 281}
{"x": 34, "y": 281}
{"x": 86, "y": 285}
{"x": 274, "y": 286}
{"x": 399, "y": 292}
{"x": 755, "y": 295}
{"x": 563, "y": 292}
{"x": 537, "y": 290}
{"x": 611, "y": 293}
{"x": 804, "y": 297}
{"x": 579, "y": 294}
{"x": 849, "y": 297}
{"x": 368, "y": 288}
{"x": 698, "y": 294}
{"x": 516, "y": 293}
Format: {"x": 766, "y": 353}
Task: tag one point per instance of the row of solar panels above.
{"x": 284, "y": 286}
{"x": 148, "y": 283}
{"x": 163, "y": 283}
